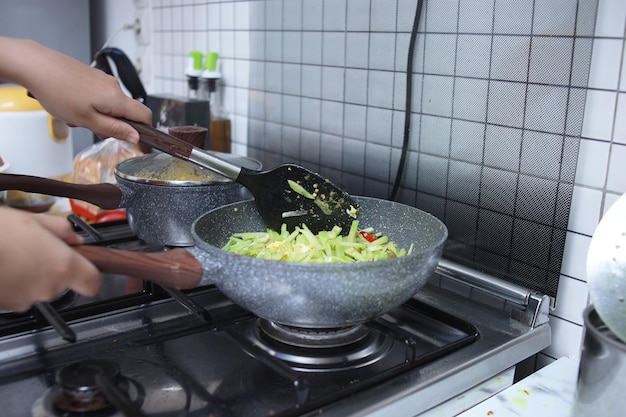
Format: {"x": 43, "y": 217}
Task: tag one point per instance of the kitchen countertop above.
{"x": 547, "y": 392}
{"x": 503, "y": 342}
{"x": 61, "y": 206}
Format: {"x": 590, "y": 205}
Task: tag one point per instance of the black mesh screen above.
{"x": 513, "y": 99}
{"x": 498, "y": 98}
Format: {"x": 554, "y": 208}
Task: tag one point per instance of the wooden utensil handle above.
{"x": 106, "y": 196}
{"x": 175, "y": 268}
{"x": 196, "y": 135}
{"x": 161, "y": 141}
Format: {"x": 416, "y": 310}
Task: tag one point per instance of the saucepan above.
{"x": 162, "y": 195}
{"x": 295, "y": 294}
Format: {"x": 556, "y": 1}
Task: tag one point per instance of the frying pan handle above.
{"x": 176, "y": 268}
{"x": 178, "y": 147}
{"x": 106, "y": 196}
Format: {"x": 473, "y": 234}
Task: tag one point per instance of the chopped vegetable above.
{"x": 300, "y": 189}
{"x": 302, "y": 245}
{"x": 323, "y": 205}
{"x": 369, "y": 237}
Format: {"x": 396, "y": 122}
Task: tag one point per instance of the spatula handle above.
{"x": 106, "y": 196}
{"x": 161, "y": 140}
{"x": 175, "y": 268}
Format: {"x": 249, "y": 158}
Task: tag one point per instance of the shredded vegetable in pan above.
{"x": 302, "y": 245}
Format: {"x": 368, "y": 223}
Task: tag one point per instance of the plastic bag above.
{"x": 95, "y": 165}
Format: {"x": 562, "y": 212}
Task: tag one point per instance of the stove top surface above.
{"x": 196, "y": 353}
{"x": 172, "y": 362}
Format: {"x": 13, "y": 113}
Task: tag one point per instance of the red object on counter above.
{"x": 101, "y": 216}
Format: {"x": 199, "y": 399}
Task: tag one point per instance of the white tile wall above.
{"x": 601, "y": 171}
{"x": 600, "y": 176}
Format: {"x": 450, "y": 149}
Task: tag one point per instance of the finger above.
{"x": 134, "y": 110}
{"x": 64, "y": 268}
{"x": 87, "y": 279}
{"x": 113, "y": 127}
{"x": 20, "y": 306}
{"x": 60, "y": 227}
{"x": 73, "y": 271}
{"x": 77, "y": 273}
{"x": 110, "y": 127}
{"x": 81, "y": 275}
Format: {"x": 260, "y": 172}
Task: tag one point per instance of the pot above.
{"x": 162, "y": 195}
{"x": 601, "y": 383}
{"x": 606, "y": 268}
{"x": 294, "y": 294}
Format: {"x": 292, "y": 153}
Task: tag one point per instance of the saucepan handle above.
{"x": 175, "y": 268}
{"x": 106, "y": 196}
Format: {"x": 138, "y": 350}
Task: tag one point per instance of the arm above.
{"x": 70, "y": 90}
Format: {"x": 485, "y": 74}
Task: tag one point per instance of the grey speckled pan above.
{"x": 295, "y": 294}
{"x": 321, "y": 295}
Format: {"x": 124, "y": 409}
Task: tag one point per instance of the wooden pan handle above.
{"x": 175, "y": 268}
{"x": 106, "y": 196}
{"x": 161, "y": 140}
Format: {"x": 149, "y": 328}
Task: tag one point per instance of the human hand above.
{"x": 37, "y": 262}
{"x": 71, "y": 90}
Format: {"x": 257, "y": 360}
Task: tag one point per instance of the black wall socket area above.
{"x": 169, "y": 111}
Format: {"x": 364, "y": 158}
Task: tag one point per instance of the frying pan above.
{"x": 295, "y": 294}
{"x": 159, "y": 208}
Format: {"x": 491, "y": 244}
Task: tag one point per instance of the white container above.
{"x": 4, "y": 165}
{"x": 602, "y": 370}
{"x": 34, "y": 141}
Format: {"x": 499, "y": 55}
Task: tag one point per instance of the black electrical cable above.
{"x": 409, "y": 92}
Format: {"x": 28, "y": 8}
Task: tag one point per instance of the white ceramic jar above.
{"x": 35, "y": 142}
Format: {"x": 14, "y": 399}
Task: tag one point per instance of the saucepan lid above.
{"x": 163, "y": 169}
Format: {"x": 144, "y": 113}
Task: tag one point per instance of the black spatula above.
{"x": 287, "y": 194}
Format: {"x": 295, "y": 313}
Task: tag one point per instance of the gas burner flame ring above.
{"x": 320, "y": 350}
{"x": 81, "y": 391}
{"x": 313, "y": 338}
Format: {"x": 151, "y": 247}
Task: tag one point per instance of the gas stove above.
{"x": 138, "y": 349}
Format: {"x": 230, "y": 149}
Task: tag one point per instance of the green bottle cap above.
{"x": 211, "y": 61}
{"x": 196, "y": 57}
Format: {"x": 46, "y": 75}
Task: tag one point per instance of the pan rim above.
{"x": 173, "y": 183}
{"x": 437, "y": 246}
{"x": 219, "y": 179}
